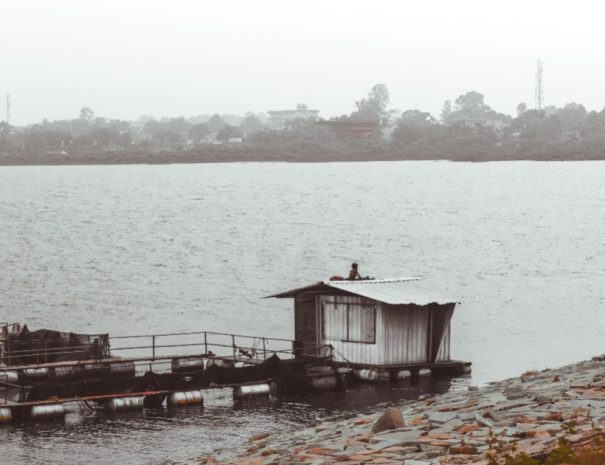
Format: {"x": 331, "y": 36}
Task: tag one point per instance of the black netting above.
{"x": 46, "y": 346}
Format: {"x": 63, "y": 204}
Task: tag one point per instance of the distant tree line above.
{"x": 466, "y": 129}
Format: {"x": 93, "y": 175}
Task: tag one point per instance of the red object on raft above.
{"x": 336, "y": 278}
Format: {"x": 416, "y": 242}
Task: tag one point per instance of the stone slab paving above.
{"x": 532, "y": 412}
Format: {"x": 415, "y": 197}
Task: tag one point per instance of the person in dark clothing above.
{"x": 354, "y": 273}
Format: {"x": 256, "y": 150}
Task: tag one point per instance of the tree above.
{"x": 198, "y": 132}
{"x": 216, "y": 123}
{"x": 446, "y": 109}
{"x": 572, "y": 115}
{"x": 250, "y": 125}
{"x": 412, "y": 126}
{"x": 227, "y": 133}
{"x": 375, "y": 106}
{"x": 521, "y": 108}
{"x": 471, "y": 106}
{"x": 471, "y": 102}
{"x": 151, "y": 127}
{"x": 87, "y": 115}
{"x": 176, "y": 125}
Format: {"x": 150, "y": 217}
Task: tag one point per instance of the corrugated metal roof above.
{"x": 399, "y": 291}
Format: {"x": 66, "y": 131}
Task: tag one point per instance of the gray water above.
{"x": 142, "y": 249}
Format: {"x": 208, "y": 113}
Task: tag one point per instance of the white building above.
{"x": 279, "y": 118}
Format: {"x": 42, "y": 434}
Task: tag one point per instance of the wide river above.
{"x": 142, "y": 249}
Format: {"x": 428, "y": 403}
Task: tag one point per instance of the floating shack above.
{"x": 376, "y": 326}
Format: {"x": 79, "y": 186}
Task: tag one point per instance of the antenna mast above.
{"x": 539, "y": 85}
{"x": 8, "y": 108}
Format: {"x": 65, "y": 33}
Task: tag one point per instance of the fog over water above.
{"x": 128, "y": 249}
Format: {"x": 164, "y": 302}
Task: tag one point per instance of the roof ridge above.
{"x": 374, "y": 280}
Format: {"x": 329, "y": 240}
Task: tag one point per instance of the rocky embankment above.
{"x": 527, "y": 414}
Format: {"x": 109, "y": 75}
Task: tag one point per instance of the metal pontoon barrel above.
{"x": 366, "y": 374}
{"x": 187, "y": 365}
{"x": 47, "y": 412}
{"x": 9, "y": 376}
{"x": 6, "y": 415}
{"x": 95, "y": 369}
{"x": 179, "y": 398}
{"x": 219, "y": 362}
{"x": 34, "y": 374}
{"x": 324, "y": 383}
{"x": 68, "y": 372}
{"x": 122, "y": 369}
{"x": 251, "y": 391}
{"x": 372, "y": 374}
{"x": 124, "y": 404}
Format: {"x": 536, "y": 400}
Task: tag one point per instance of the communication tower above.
{"x": 8, "y": 108}
{"x": 539, "y": 85}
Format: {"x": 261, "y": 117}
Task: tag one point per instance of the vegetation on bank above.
{"x": 563, "y": 454}
{"x": 466, "y": 129}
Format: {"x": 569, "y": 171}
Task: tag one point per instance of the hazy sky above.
{"x": 182, "y": 58}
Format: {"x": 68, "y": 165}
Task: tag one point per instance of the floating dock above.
{"x": 366, "y": 330}
{"x": 41, "y": 371}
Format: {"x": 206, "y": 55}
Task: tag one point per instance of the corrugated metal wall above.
{"x": 401, "y": 332}
{"x": 406, "y": 334}
{"x": 444, "y": 352}
{"x": 361, "y": 327}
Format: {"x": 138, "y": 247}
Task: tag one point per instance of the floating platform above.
{"x": 41, "y": 371}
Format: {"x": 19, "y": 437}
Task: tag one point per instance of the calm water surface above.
{"x": 140, "y": 249}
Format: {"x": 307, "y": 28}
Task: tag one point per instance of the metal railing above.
{"x": 214, "y": 344}
{"x": 158, "y": 347}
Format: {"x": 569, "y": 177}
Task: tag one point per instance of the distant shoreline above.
{"x": 120, "y": 158}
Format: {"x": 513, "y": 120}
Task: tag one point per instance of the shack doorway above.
{"x": 305, "y": 325}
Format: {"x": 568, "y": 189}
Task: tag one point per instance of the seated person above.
{"x": 354, "y": 273}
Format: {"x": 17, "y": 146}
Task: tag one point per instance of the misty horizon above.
{"x": 130, "y": 59}
{"x": 204, "y": 115}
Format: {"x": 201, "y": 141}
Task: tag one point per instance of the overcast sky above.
{"x": 182, "y": 58}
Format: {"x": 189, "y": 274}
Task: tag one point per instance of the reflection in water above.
{"x": 157, "y": 435}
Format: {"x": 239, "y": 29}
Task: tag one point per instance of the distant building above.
{"x": 359, "y": 129}
{"x": 474, "y": 123}
{"x": 279, "y": 118}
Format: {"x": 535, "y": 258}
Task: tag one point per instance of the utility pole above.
{"x": 539, "y": 85}
{"x": 8, "y": 108}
